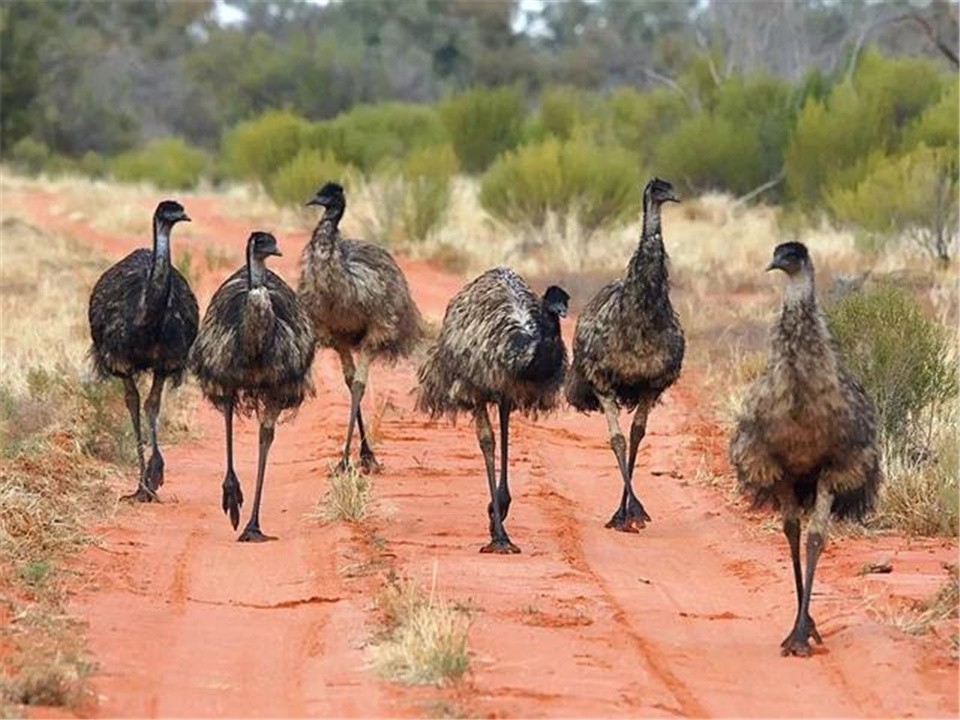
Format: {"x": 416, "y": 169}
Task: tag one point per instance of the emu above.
{"x": 628, "y": 348}
{"x": 358, "y": 299}
{"x": 253, "y": 355}
{"x": 144, "y": 316}
{"x": 807, "y": 435}
{"x": 499, "y": 344}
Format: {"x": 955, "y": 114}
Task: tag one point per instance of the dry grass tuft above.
{"x": 347, "y": 499}
{"x": 921, "y": 618}
{"x": 425, "y": 640}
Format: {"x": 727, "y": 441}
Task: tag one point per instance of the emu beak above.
{"x": 773, "y": 266}
{"x": 562, "y": 312}
{"x": 313, "y": 201}
{"x": 674, "y": 197}
{"x": 185, "y": 218}
{"x": 276, "y": 252}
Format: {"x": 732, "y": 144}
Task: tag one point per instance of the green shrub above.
{"x": 297, "y": 180}
{"x": 482, "y": 123}
{"x": 428, "y": 174}
{"x": 599, "y": 184}
{"x": 367, "y": 135}
{"x": 256, "y": 149}
{"x": 939, "y": 125}
{"x": 638, "y": 120}
{"x": 93, "y": 165}
{"x": 913, "y": 195}
{"x": 903, "y": 358}
{"x": 169, "y": 163}
{"x": 29, "y": 155}
{"x": 563, "y": 109}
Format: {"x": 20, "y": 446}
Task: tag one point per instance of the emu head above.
{"x": 658, "y": 192}
{"x": 791, "y": 257}
{"x": 555, "y": 301}
{"x": 170, "y": 212}
{"x": 329, "y": 196}
{"x": 262, "y": 245}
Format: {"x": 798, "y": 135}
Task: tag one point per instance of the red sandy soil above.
{"x": 682, "y": 619}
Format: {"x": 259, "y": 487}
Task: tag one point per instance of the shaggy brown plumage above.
{"x": 499, "y": 344}
{"x": 807, "y": 434}
{"x": 358, "y": 299}
{"x": 143, "y": 316}
{"x": 253, "y": 354}
{"x": 628, "y": 348}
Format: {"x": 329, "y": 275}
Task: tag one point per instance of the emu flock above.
{"x": 805, "y": 441}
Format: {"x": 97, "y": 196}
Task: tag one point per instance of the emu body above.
{"x": 143, "y": 317}
{"x": 807, "y": 435}
{"x": 628, "y": 348}
{"x": 253, "y": 355}
{"x": 499, "y": 344}
{"x": 359, "y": 302}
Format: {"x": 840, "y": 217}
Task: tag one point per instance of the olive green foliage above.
{"x": 914, "y": 194}
{"x": 598, "y": 184}
{"x": 834, "y": 138}
{"x": 482, "y": 123}
{"x": 939, "y": 125}
{"x": 737, "y": 144}
{"x": 638, "y": 120}
{"x": 367, "y": 135}
{"x": 428, "y": 175}
{"x": 563, "y": 111}
{"x": 168, "y": 163}
{"x": 29, "y": 155}
{"x": 297, "y": 180}
{"x": 257, "y": 148}
{"x": 904, "y": 359}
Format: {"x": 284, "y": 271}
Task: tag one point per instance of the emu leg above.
{"x": 132, "y": 397}
{"x": 368, "y": 461}
{"x": 232, "y": 495}
{"x": 632, "y": 508}
{"x": 798, "y": 641}
{"x": 251, "y": 533}
{"x": 621, "y": 520}
{"x": 499, "y": 542}
{"x": 154, "y": 474}
{"x": 503, "y": 489}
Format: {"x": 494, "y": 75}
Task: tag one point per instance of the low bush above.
{"x": 597, "y": 184}
{"x": 904, "y": 359}
{"x": 297, "y": 180}
{"x": 482, "y": 123}
{"x": 29, "y": 155}
{"x": 168, "y": 163}
{"x": 257, "y": 148}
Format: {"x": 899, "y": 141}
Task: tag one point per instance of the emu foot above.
{"x": 232, "y": 498}
{"x": 797, "y": 643}
{"x": 142, "y": 494}
{"x": 341, "y": 467}
{"x": 153, "y": 476}
{"x": 500, "y": 546}
{"x": 631, "y": 520}
{"x": 251, "y": 533}
{"x": 369, "y": 465}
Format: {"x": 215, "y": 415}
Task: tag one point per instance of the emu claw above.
{"x": 369, "y": 464}
{"x": 633, "y": 520}
{"x": 142, "y": 494}
{"x": 502, "y": 546}
{"x": 797, "y": 643}
{"x": 253, "y": 534}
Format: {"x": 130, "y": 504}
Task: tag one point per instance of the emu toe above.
{"x": 797, "y": 643}
{"x": 368, "y": 462}
{"x": 153, "y": 476}
{"x": 341, "y": 467}
{"x": 502, "y": 546}
{"x": 631, "y": 520}
{"x": 253, "y": 534}
{"x": 232, "y": 498}
{"x": 142, "y": 494}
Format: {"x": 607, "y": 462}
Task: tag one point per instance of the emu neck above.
{"x": 256, "y": 270}
{"x": 158, "y": 288}
{"x": 801, "y": 330}
{"x": 800, "y": 290}
{"x": 327, "y": 231}
{"x": 548, "y": 357}
{"x": 647, "y": 276}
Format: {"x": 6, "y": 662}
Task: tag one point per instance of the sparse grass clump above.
{"x": 348, "y": 497}
{"x": 425, "y": 639}
{"x": 921, "y": 617}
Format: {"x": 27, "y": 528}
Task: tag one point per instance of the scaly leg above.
{"x": 154, "y": 475}
{"x": 499, "y": 542}
{"x": 630, "y": 515}
{"x": 132, "y": 397}
{"x": 503, "y": 489}
{"x": 251, "y": 533}
{"x": 798, "y": 641}
{"x": 368, "y": 461}
{"x": 232, "y": 495}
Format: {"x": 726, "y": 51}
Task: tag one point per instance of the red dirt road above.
{"x": 683, "y": 619}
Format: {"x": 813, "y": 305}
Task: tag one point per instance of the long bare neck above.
{"x": 802, "y": 327}
{"x": 327, "y": 232}
{"x": 647, "y": 276}
{"x": 158, "y": 286}
{"x": 256, "y": 271}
